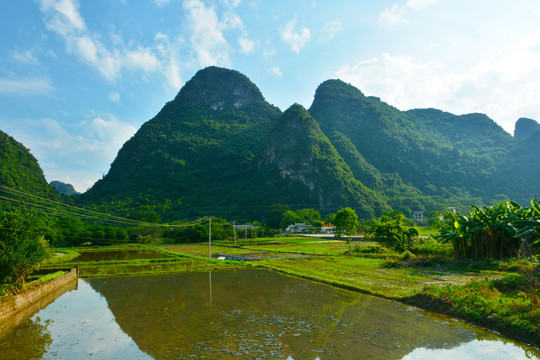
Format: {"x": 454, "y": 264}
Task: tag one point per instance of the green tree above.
{"x": 393, "y": 229}
{"x": 273, "y": 219}
{"x": 310, "y": 216}
{"x": 346, "y": 222}
{"x": 290, "y": 217}
{"x": 435, "y": 219}
{"x": 22, "y": 248}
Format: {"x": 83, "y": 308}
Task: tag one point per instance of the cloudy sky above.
{"x": 79, "y": 77}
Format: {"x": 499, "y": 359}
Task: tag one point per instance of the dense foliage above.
{"x": 19, "y": 169}
{"x": 392, "y": 229}
{"x": 504, "y": 230}
{"x": 22, "y": 249}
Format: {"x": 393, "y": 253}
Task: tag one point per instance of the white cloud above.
{"x": 276, "y": 71}
{"x": 418, "y": 5}
{"x": 115, "y": 97}
{"x": 30, "y": 86}
{"x": 505, "y": 86}
{"x": 92, "y": 146}
{"x": 25, "y": 57}
{"x": 207, "y": 36}
{"x": 332, "y": 28}
{"x": 143, "y": 59}
{"x": 392, "y": 16}
{"x": 397, "y": 14}
{"x": 232, "y": 3}
{"x": 63, "y": 17}
{"x": 162, "y": 2}
{"x": 297, "y": 40}
{"x": 231, "y": 20}
{"x": 110, "y": 134}
{"x": 93, "y": 52}
{"x": 101, "y": 137}
{"x": 246, "y": 45}
{"x": 172, "y": 72}
{"x": 168, "y": 51}
{"x": 208, "y": 32}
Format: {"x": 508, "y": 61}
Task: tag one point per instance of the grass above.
{"x": 362, "y": 274}
{"x": 44, "y": 278}
{"x": 493, "y": 304}
{"x": 62, "y": 255}
{"x": 426, "y": 231}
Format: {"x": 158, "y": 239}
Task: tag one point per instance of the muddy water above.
{"x": 245, "y": 314}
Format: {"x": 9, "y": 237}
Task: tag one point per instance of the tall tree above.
{"x": 346, "y": 222}
{"x": 273, "y": 219}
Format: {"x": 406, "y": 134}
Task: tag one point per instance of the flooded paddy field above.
{"x": 242, "y": 314}
{"x": 118, "y": 255}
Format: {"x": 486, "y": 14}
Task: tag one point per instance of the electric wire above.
{"x": 84, "y": 213}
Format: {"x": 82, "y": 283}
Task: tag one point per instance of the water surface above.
{"x": 115, "y": 255}
{"x": 242, "y": 314}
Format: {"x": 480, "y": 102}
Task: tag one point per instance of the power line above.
{"x": 84, "y": 213}
{"x": 67, "y": 205}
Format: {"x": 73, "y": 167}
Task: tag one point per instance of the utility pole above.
{"x": 234, "y": 230}
{"x": 209, "y": 237}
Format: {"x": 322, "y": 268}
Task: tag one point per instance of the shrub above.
{"x": 22, "y": 248}
{"x": 392, "y": 229}
{"x": 430, "y": 246}
{"x": 406, "y": 255}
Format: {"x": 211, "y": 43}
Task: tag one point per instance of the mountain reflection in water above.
{"x": 250, "y": 314}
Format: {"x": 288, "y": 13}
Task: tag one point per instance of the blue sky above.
{"x": 79, "y": 77}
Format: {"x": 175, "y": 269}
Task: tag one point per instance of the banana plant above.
{"x": 529, "y": 231}
{"x": 487, "y": 232}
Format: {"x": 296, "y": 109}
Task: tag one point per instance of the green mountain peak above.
{"x": 219, "y": 88}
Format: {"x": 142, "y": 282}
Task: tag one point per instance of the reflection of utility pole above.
{"x": 209, "y": 237}
{"x": 234, "y": 230}
{"x": 210, "y": 285}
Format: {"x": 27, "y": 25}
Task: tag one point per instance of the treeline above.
{"x": 62, "y": 229}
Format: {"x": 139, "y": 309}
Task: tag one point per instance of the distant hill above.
{"x": 525, "y": 127}
{"x": 63, "y": 188}
{"x": 218, "y": 148}
{"x": 20, "y": 170}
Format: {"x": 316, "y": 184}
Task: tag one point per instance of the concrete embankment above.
{"x": 21, "y": 307}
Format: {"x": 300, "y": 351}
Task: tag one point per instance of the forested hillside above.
{"x": 20, "y": 170}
